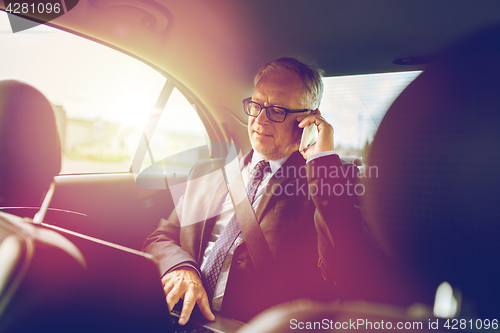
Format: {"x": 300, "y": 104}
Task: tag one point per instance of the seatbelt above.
{"x": 257, "y": 246}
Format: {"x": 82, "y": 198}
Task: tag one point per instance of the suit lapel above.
{"x": 294, "y": 161}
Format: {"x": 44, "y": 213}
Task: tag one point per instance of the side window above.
{"x": 100, "y": 96}
{"x": 178, "y": 130}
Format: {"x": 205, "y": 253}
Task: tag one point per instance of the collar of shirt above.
{"x": 275, "y": 164}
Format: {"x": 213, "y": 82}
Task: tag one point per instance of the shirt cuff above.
{"x": 318, "y": 155}
{"x": 184, "y": 264}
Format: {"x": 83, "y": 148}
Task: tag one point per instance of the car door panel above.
{"x": 111, "y": 207}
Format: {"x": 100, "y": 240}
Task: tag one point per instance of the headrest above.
{"x": 30, "y": 151}
{"x": 433, "y": 203}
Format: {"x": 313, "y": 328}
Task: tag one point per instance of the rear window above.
{"x": 356, "y": 104}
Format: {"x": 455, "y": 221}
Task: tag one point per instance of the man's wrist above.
{"x": 185, "y": 264}
{"x": 318, "y": 155}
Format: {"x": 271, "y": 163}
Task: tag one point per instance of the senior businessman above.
{"x": 305, "y": 202}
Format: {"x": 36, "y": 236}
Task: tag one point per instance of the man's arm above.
{"x": 343, "y": 243}
{"x": 164, "y": 243}
{"x": 180, "y": 277}
{"x": 345, "y": 250}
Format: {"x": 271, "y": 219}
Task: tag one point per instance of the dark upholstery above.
{"x": 30, "y": 151}
{"x": 435, "y": 203}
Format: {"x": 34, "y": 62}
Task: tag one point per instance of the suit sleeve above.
{"x": 343, "y": 243}
{"x": 164, "y": 244}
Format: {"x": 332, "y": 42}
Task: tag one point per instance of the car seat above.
{"x": 434, "y": 205}
{"x": 30, "y": 150}
{"x": 38, "y": 267}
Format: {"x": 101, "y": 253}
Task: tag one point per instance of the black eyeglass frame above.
{"x": 287, "y": 111}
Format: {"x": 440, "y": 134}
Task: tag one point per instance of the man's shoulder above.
{"x": 334, "y": 160}
{"x": 332, "y": 166}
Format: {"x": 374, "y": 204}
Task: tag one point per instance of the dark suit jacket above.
{"x": 315, "y": 235}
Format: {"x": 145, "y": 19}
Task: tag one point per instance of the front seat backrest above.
{"x": 30, "y": 151}
{"x": 435, "y": 201}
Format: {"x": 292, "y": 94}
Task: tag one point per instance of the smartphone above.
{"x": 309, "y": 137}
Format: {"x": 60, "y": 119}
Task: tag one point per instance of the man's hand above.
{"x": 325, "y": 133}
{"x": 185, "y": 283}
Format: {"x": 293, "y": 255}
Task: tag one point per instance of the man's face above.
{"x": 276, "y": 140}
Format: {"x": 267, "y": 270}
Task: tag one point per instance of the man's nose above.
{"x": 262, "y": 117}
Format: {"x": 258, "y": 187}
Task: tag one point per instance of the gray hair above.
{"x": 310, "y": 75}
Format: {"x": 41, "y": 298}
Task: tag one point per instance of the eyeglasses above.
{"x": 274, "y": 113}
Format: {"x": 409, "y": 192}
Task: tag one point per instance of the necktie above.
{"x": 221, "y": 247}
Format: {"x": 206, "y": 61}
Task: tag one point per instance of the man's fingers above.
{"x": 325, "y": 133}
{"x": 185, "y": 283}
{"x": 187, "y": 307}
{"x": 173, "y": 297}
{"x": 311, "y": 119}
{"x": 204, "y": 306}
{"x": 306, "y": 121}
{"x": 167, "y": 288}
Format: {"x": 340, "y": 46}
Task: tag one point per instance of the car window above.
{"x": 101, "y": 97}
{"x": 356, "y": 104}
{"x": 178, "y": 129}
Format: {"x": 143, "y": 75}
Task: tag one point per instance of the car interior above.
{"x": 105, "y": 109}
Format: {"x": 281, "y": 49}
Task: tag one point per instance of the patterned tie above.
{"x": 221, "y": 247}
